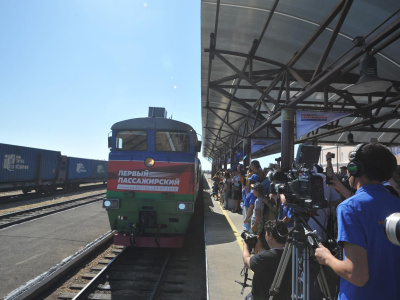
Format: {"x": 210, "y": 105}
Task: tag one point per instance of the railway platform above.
{"x": 223, "y": 250}
{"x": 32, "y": 248}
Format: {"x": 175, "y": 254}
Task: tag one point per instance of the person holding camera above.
{"x": 370, "y": 267}
{"x": 265, "y": 263}
{"x": 322, "y": 215}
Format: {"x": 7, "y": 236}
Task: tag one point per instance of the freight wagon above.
{"x": 31, "y": 169}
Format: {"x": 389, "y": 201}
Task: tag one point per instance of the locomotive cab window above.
{"x": 131, "y": 140}
{"x": 172, "y": 141}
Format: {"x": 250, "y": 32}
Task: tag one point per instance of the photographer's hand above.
{"x": 322, "y": 254}
{"x": 329, "y": 156}
{"x": 339, "y": 187}
{"x": 246, "y": 255}
{"x": 354, "y": 266}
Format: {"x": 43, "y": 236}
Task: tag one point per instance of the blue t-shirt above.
{"x": 250, "y": 199}
{"x": 361, "y": 222}
{"x": 286, "y": 211}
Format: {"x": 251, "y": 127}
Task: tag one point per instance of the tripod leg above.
{"x": 280, "y": 271}
{"x": 245, "y": 270}
{"x": 306, "y": 273}
{"x": 295, "y": 273}
{"x": 323, "y": 284}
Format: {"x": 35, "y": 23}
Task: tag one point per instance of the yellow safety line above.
{"x": 235, "y": 231}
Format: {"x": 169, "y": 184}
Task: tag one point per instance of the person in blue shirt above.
{"x": 370, "y": 268}
{"x": 248, "y": 205}
{"x": 285, "y": 213}
{"x": 266, "y": 183}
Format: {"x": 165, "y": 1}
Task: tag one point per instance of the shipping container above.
{"x": 24, "y": 166}
{"x": 79, "y": 169}
{"x": 99, "y": 170}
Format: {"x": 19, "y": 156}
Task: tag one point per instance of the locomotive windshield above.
{"x": 172, "y": 141}
{"x": 132, "y": 140}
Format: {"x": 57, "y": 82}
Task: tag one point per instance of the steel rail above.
{"x": 43, "y": 214}
{"x": 26, "y": 197}
{"x": 56, "y": 274}
{"x": 157, "y": 288}
{"x": 91, "y": 286}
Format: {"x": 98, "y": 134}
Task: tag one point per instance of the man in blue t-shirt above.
{"x": 370, "y": 267}
{"x": 249, "y": 203}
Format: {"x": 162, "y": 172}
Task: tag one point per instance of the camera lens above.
{"x": 392, "y": 228}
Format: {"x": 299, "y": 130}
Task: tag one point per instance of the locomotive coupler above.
{"x": 132, "y": 234}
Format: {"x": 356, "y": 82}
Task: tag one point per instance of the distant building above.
{"x": 341, "y": 156}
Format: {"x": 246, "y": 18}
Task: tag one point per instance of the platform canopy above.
{"x": 262, "y": 56}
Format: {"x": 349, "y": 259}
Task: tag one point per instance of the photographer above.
{"x": 322, "y": 215}
{"x": 265, "y": 263}
{"x": 370, "y": 268}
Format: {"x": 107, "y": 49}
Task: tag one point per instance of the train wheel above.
{"x": 53, "y": 188}
{"x": 40, "y": 190}
{"x": 46, "y": 189}
{"x": 26, "y": 190}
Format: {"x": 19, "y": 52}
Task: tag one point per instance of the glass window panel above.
{"x": 132, "y": 140}
{"x": 172, "y": 141}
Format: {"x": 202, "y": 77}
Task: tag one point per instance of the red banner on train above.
{"x": 163, "y": 177}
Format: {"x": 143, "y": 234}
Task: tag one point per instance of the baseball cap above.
{"x": 255, "y": 178}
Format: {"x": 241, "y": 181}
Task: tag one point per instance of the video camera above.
{"x": 392, "y": 228}
{"x": 306, "y": 192}
{"x": 249, "y": 238}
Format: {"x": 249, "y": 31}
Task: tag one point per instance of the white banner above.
{"x": 307, "y": 121}
{"x": 257, "y": 144}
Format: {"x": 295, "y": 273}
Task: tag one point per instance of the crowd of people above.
{"x": 359, "y": 199}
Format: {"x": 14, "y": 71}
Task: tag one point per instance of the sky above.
{"x": 71, "y": 69}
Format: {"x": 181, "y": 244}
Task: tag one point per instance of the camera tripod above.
{"x": 245, "y": 273}
{"x": 300, "y": 240}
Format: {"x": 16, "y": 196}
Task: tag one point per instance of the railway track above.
{"x": 38, "y": 286}
{"x": 21, "y": 216}
{"x": 6, "y": 198}
{"x": 133, "y": 273}
{"x": 127, "y": 274}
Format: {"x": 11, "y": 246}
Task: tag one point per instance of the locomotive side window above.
{"x": 132, "y": 140}
{"x": 172, "y": 141}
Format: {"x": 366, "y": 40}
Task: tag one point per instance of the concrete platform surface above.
{"x": 224, "y": 250}
{"x": 32, "y": 248}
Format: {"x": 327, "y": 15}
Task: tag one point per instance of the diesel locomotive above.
{"x": 153, "y": 180}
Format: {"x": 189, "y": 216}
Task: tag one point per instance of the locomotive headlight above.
{"x": 185, "y": 206}
{"x": 149, "y": 162}
{"x": 109, "y": 203}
